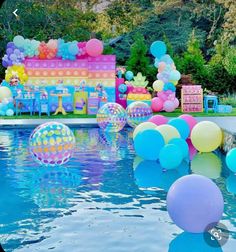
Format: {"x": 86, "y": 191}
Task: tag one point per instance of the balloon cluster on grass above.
{"x": 167, "y": 79}
{"x": 20, "y": 48}
{"x": 6, "y": 102}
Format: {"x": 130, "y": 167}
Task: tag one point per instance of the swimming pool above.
{"x": 103, "y": 199}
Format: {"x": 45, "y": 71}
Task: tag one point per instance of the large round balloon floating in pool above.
{"x": 52, "y": 144}
{"x": 138, "y": 112}
{"x": 111, "y": 117}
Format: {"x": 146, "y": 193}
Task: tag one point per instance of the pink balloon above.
{"x": 157, "y": 104}
{"x": 161, "y": 67}
{"x": 169, "y": 106}
{"x": 158, "y": 119}
{"x": 94, "y": 47}
{"x": 192, "y": 149}
{"x": 162, "y": 95}
{"x": 190, "y": 120}
{"x": 176, "y": 102}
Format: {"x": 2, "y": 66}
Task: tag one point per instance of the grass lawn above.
{"x": 176, "y": 113}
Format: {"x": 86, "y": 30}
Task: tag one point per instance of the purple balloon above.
{"x": 5, "y": 63}
{"x": 194, "y": 202}
{"x": 9, "y": 51}
{"x": 10, "y": 45}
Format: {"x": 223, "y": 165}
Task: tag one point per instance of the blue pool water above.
{"x": 104, "y": 199}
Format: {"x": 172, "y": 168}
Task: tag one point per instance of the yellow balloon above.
{"x": 168, "y": 132}
{"x": 158, "y": 85}
{"x": 5, "y": 93}
{"x": 207, "y": 164}
{"x": 174, "y": 82}
{"x": 206, "y": 136}
{"x": 143, "y": 126}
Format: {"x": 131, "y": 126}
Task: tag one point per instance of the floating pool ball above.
{"x": 52, "y": 144}
{"x": 111, "y": 117}
{"x": 138, "y": 112}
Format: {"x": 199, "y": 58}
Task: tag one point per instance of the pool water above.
{"x": 104, "y": 199}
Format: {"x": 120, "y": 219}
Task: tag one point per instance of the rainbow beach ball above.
{"x": 52, "y": 144}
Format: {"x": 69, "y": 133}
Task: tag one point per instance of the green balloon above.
{"x": 207, "y": 164}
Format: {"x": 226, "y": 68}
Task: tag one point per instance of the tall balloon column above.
{"x": 167, "y": 79}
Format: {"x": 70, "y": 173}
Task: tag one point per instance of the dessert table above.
{"x": 60, "y": 106}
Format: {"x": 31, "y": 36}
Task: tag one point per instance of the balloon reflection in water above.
{"x": 231, "y": 183}
{"x": 207, "y": 164}
{"x": 110, "y": 146}
{"x": 190, "y": 242}
{"x": 192, "y": 149}
{"x": 54, "y": 187}
{"x": 150, "y": 174}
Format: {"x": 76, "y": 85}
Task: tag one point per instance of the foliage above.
{"x": 192, "y": 62}
{"x": 230, "y": 99}
{"x": 229, "y": 61}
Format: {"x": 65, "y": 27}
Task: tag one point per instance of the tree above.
{"x": 138, "y": 61}
{"x": 192, "y": 62}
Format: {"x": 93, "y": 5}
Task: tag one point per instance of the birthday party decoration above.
{"x": 206, "y": 136}
{"x": 94, "y": 47}
{"x": 194, "y": 202}
{"x": 111, "y": 117}
{"x": 138, "y": 112}
{"x": 52, "y": 144}
{"x": 139, "y": 91}
{"x": 13, "y": 56}
{"x": 48, "y": 50}
{"x": 167, "y": 79}
{"x": 16, "y": 71}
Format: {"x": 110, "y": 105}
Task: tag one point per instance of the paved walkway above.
{"x": 226, "y": 123}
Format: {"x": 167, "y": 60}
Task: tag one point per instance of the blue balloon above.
{"x": 147, "y": 174}
{"x": 182, "y": 126}
{"x": 148, "y": 143}
{"x": 231, "y": 183}
{"x": 169, "y": 86}
{"x": 170, "y": 156}
{"x": 73, "y": 48}
{"x": 129, "y": 75}
{"x": 231, "y": 159}
{"x": 122, "y": 88}
{"x": 158, "y": 49}
{"x": 2, "y": 113}
{"x": 156, "y": 62}
{"x": 167, "y": 59}
{"x": 175, "y": 75}
{"x": 182, "y": 144}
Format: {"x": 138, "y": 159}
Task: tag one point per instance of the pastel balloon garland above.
{"x": 167, "y": 79}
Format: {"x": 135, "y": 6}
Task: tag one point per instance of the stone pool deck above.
{"x": 228, "y": 125}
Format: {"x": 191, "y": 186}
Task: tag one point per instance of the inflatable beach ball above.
{"x": 138, "y": 112}
{"x": 111, "y": 117}
{"x": 52, "y": 144}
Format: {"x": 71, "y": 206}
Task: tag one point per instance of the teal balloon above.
{"x": 129, "y": 75}
{"x": 122, "y": 88}
{"x": 182, "y": 126}
{"x": 9, "y": 112}
{"x": 169, "y": 86}
{"x": 231, "y": 183}
{"x": 2, "y": 113}
{"x": 19, "y": 41}
{"x": 231, "y": 159}
{"x": 190, "y": 242}
{"x": 167, "y": 59}
{"x": 175, "y": 75}
{"x": 170, "y": 156}
{"x": 182, "y": 144}
{"x": 148, "y": 143}
{"x": 73, "y": 48}
{"x": 158, "y": 49}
